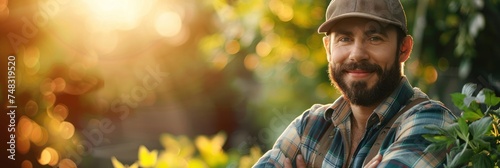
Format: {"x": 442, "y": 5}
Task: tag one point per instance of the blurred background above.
{"x": 96, "y": 79}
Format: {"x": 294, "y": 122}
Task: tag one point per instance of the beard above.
{"x": 358, "y": 92}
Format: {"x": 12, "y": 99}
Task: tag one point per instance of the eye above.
{"x": 375, "y": 38}
{"x": 344, "y": 39}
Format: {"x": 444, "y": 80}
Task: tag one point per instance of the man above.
{"x": 366, "y": 45}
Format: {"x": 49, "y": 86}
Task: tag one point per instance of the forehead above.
{"x": 363, "y": 25}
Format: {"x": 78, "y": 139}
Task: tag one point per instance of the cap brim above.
{"x": 326, "y": 26}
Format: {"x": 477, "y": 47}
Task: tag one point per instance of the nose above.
{"x": 358, "y": 52}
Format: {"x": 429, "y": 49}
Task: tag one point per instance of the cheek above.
{"x": 338, "y": 54}
{"x": 385, "y": 58}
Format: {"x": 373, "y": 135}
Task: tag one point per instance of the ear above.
{"x": 406, "y": 48}
{"x": 326, "y": 44}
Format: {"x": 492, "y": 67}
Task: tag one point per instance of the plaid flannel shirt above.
{"x": 322, "y": 134}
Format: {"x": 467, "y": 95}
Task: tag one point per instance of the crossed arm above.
{"x": 301, "y": 164}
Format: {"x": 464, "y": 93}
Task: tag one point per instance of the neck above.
{"x": 361, "y": 114}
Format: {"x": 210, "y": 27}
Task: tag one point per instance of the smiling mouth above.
{"x": 358, "y": 73}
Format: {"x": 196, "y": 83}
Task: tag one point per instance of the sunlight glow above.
{"x": 118, "y": 14}
{"x": 168, "y": 24}
{"x": 103, "y": 42}
{"x": 31, "y": 56}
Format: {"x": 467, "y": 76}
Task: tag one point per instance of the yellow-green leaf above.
{"x": 116, "y": 163}
{"x": 147, "y": 158}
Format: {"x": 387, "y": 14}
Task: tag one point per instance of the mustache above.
{"x": 364, "y": 65}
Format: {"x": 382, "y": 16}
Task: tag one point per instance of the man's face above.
{"x": 363, "y": 59}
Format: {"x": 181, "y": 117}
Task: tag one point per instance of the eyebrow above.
{"x": 371, "y": 31}
{"x": 381, "y": 31}
{"x": 342, "y": 32}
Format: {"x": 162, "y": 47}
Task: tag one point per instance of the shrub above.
{"x": 474, "y": 139}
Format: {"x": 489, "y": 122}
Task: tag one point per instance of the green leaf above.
{"x": 471, "y": 115}
{"x": 461, "y": 158}
{"x": 480, "y": 127}
{"x": 452, "y": 130}
{"x": 464, "y": 128}
{"x": 436, "y": 138}
{"x": 482, "y": 160}
{"x": 481, "y": 145}
{"x": 474, "y": 106}
{"x": 497, "y": 111}
{"x": 490, "y": 98}
{"x": 435, "y": 147}
{"x": 458, "y": 100}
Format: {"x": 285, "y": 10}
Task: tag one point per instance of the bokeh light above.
{"x": 67, "y": 163}
{"x": 443, "y": 64}
{"x": 4, "y": 10}
{"x": 282, "y": 10}
{"x": 23, "y": 146}
{"x": 31, "y": 108}
{"x": 60, "y": 84}
{"x": 232, "y": 47}
{"x": 430, "y": 74}
{"x": 31, "y": 56}
{"x": 308, "y": 69}
{"x": 60, "y": 112}
{"x": 117, "y": 14}
{"x": 263, "y": 48}
{"x": 251, "y": 61}
{"x": 266, "y": 24}
{"x": 47, "y": 86}
{"x": 66, "y": 130}
{"x": 45, "y": 157}
{"x": 36, "y": 134}
{"x": 24, "y": 127}
{"x": 49, "y": 156}
{"x": 49, "y": 99}
{"x": 168, "y": 24}
{"x": 219, "y": 61}
{"x": 31, "y": 62}
{"x": 54, "y": 156}
{"x": 39, "y": 135}
{"x": 26, "y": 164}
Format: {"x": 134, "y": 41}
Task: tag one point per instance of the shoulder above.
{"x": 290, "y": 142}
{"x": 429, "y": 107}
{"x": 317, "y": 111}
{"x": 426, "y": 113}
{"x": 314, "y": 116}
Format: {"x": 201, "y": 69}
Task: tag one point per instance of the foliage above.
{"x": 180, "y": 151}
{"x": 474, "y": 139}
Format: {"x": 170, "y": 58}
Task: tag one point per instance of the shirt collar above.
{"x": 340, "y": 110}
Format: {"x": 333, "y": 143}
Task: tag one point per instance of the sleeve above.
{"x": 287, "y": 145}
{"x": 408, "y": 147}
